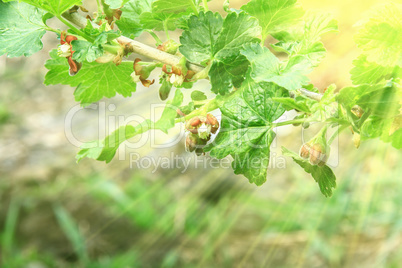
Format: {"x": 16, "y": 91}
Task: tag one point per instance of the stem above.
{"x": 336, "y": 133}
{"x": 112, "y": 49}
{"x": 205, "y": 2}
{"x": 208, "y": 107}
{"x": 157, "y": 39}
{"x": 99, "y": 7}
{"x": 194, "y": 7}
{"x": 75, "y": 29}
{"x": 158, "y": 55}
{"x": 290, "y": 122}
{"x": 53, "y": 30}
{"x": 165, "y": 27}
{"x": 310, "y": 95}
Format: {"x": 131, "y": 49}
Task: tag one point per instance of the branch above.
{"x": 135, "y": 46}
{"x": 156, "y": 54}
{"x": 311, "y": 95}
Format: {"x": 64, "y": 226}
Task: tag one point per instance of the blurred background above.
{"x": 57, "y": 213}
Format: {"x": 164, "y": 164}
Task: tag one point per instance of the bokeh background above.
{"x": 57, "y": 213}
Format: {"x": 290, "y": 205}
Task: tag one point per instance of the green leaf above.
{"x": 267, "y": 68}
{"x": 86, "y": 51}
{"x": 246, "y": 129}
{"x": 173, "y": 6}
{"x": 106, "y": 149}
{"x": 274, "y": 15}
{"x": 129, "y": 22}
{"x": 94, "y": 81}
{"x": 197, "y": 95}
{"x": 56, "y": 7}
{"x": 291, "y": 103}
{"x": 224, "y": 77}
{"x": 115, "y": 4}
{"x": 380, "y": 38}
{"x": 366, "y": 72}
{"x": 380, "y": 99}
{"x": 156, "y": 20}
{"x": 389, "y": 130}
{"x": 222, "y": 46}
{"x": 21, "y": 29}
{"x": 203, "y": 32}
{"x": 167, "y": 120}
{"x": 323, "y": 175}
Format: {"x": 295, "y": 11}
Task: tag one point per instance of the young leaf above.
{"x": 246, "y": 129}
{"x": 129, "y": 22}
{"x": 222, "y": 45}
{"x": 106, "y": 149}
{"x": 274, "y": 15}
{"x": 56, "y": 7}
{"x": 304, "y": 38}
{"x": 380, "y": 38}
{"x": 94, "y": 81}
{"x": 21, "y": 29}
{"x": 267, "y": 68}
{"x": 323, "y": 175}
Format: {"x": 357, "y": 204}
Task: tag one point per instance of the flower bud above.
{"x": 203, "y": 125}
{"x": 319, "y": 154}
{"x": 357, "y": 110}
{"x": 305, "y": 150}
{"x": 169, "y": 46}
{"x": 64, "y": 50}
{"x": 176, "y": 80}
{"x": 213, "y": 122}
{"x": 195, "y": 143}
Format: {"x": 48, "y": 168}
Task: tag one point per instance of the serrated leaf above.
{"x": 224, "y": 77}
{"x": 274, "y": 15}
{"x": 388, "y": 130}
{"x": 222, "y": 46}
{"x": 323, "y": 175}
{"x": 265, "y": 67}
{"x": 129, "y": 22}
{"x": 156, "y": 20}
{"x": 198, "y": 41}
{"x": 246, "y": 129}
{"x": 106, "y": 149}
{"x": 56, "y": 7}
{"x": 366, "y": 72}
{"x": 94, "y": 81}
{"x": 86, "y": 51}
{"x": 21, "y": 29}
{"x": 380, "y": 38}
